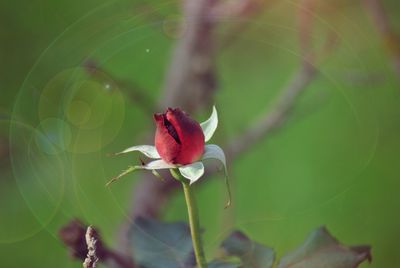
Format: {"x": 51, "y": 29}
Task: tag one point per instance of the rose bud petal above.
{"x": 179, "y": 139}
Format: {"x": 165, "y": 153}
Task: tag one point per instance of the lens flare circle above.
{"x": 34, "y": 182}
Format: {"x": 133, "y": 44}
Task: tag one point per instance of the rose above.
{"x": 179, "y": 139}
{"x": 180, "y": 145}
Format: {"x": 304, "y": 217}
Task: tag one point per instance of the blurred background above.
{"x": 80, "y": 79}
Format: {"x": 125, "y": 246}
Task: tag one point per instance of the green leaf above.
{"x": 251, "y": 254}
{"x": 321, "y": 249}
{"x": 210, "y": 125}
{"x": 161, "y": 245}
{"x": 193, "y": 171}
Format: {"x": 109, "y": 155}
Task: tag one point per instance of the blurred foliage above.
{"x": 321, "y": 249}
{"x": 334, "y": 162}
{"x": 251, "y": 254}
{"x": 158, "y": 244}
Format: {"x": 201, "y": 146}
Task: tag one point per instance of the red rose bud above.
{"x": 179, "y": 139}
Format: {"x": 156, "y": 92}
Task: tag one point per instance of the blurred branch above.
{"x": 238, "y": 10}
{"x": 275, "y": 117}
{"x": 305, "y": 28}
{"x": 190, "y": 78}
{"x": 85, "y": 244}
{"x": 131, "y": 90}
{"x": 391, "y": 40}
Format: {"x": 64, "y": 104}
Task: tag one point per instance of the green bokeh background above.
{"x": 334, "y": 162}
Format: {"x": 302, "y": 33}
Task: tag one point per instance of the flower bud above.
{"x": 179, "y": 139}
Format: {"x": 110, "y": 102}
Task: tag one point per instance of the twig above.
{"x": 381, "y": 21}
{"x": 91, "y": 241}
{"x": 85, "y": 244}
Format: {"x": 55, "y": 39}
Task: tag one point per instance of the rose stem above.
{"x": 194, "y": 221}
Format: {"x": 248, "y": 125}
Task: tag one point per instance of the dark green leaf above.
{"x": 161, "y": 245}
{"x": 321, "y": 250}
{"x": 252, "y": 254}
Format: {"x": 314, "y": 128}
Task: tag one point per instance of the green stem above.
{"x": 193, "y": 219}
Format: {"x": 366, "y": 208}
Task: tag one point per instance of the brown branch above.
{"x": 391, "y": 39}
{"x": 236, "y": 8}
{"x": 239, "y": 10}
{"x": 190, "y": 79}
{"x": 305, "y": 22}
